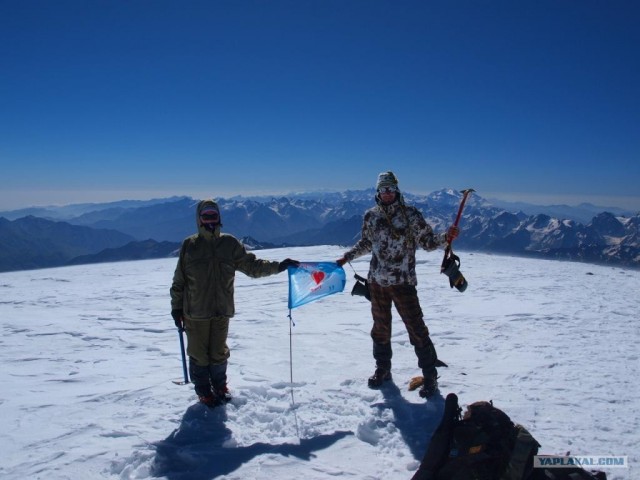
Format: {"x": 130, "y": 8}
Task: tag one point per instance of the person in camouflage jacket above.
{"x": 202, "y": 298}
{"x": 391, "y": 233}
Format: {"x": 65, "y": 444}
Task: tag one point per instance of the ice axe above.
{"x": 184, "y": 360}
{"x": 451, "y": 262}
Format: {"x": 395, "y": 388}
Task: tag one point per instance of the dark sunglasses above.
{"x": 210, "y": 216}
{"x": 391, "y": 189}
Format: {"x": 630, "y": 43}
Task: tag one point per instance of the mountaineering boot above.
{"x": 427, "y": 356}
{"x": 211, "y": 401}
{"x": 430, "y": 385}
{"x": 202, "y": 384}
{"x": 381, "y": 375}
{"x": 427, "y": 361}
{"x": 222, "y": 394}
{"x": 212, "y": 397}
{"x": 382, "y": 354}
{"x": 207, "y": 396}
{"x": 218, "y": 377}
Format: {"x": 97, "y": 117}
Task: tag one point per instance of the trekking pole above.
{"x": 184, "y": 360}
{"x": 447, "y": 250}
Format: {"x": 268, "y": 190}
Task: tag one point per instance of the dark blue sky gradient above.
{"x": 529, "y": 100}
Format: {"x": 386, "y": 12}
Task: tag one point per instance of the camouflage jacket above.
{"x": 392, "y": 233}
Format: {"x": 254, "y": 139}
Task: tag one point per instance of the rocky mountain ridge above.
{"x": 133, "y": 230}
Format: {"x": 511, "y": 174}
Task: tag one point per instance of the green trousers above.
{"x": 207, "y": 340}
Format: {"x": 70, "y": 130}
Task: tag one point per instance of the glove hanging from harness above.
{"x": 361, "y": 287}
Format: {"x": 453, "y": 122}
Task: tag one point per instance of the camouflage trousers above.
{"x": 405, "y": 299}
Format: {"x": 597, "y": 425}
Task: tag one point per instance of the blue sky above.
{"x": 523, "y": 100}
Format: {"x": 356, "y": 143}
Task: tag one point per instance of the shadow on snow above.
{"x": 416, "y": 422}
{"x": 196, "y": 449}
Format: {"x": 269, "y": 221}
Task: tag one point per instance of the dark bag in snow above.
{"x": 566, "y": 473}
{"x": 486, "y": 445}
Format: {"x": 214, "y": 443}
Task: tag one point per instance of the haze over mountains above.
{"x": 127, "y": 230}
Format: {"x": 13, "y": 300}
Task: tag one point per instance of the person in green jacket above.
{"x": 202, "y": 300}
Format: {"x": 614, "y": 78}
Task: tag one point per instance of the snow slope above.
{"x": 88, "y": 354}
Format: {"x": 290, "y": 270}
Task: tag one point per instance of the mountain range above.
{"x": 126, "y": 230}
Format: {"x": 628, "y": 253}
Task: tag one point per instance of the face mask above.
{"x": 210, "y": 219}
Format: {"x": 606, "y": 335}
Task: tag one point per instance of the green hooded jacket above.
{"x": 203, "y": 283}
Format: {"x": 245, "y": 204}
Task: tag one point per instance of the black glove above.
{"x": 286, "y": 263}
{"x": 177, "y": 317}
{"x": 452, "y": 270}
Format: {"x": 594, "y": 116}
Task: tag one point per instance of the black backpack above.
{"x": 484, "y": 444}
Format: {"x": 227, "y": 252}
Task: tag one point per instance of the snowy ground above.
{"x": 88, "y": 354}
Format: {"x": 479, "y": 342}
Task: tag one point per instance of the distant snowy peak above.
{"x": 307, "y": 221}
{"x": 582, "y": 213}
{"x": 327, "y": 219}
{"x": 606, "y": 223}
